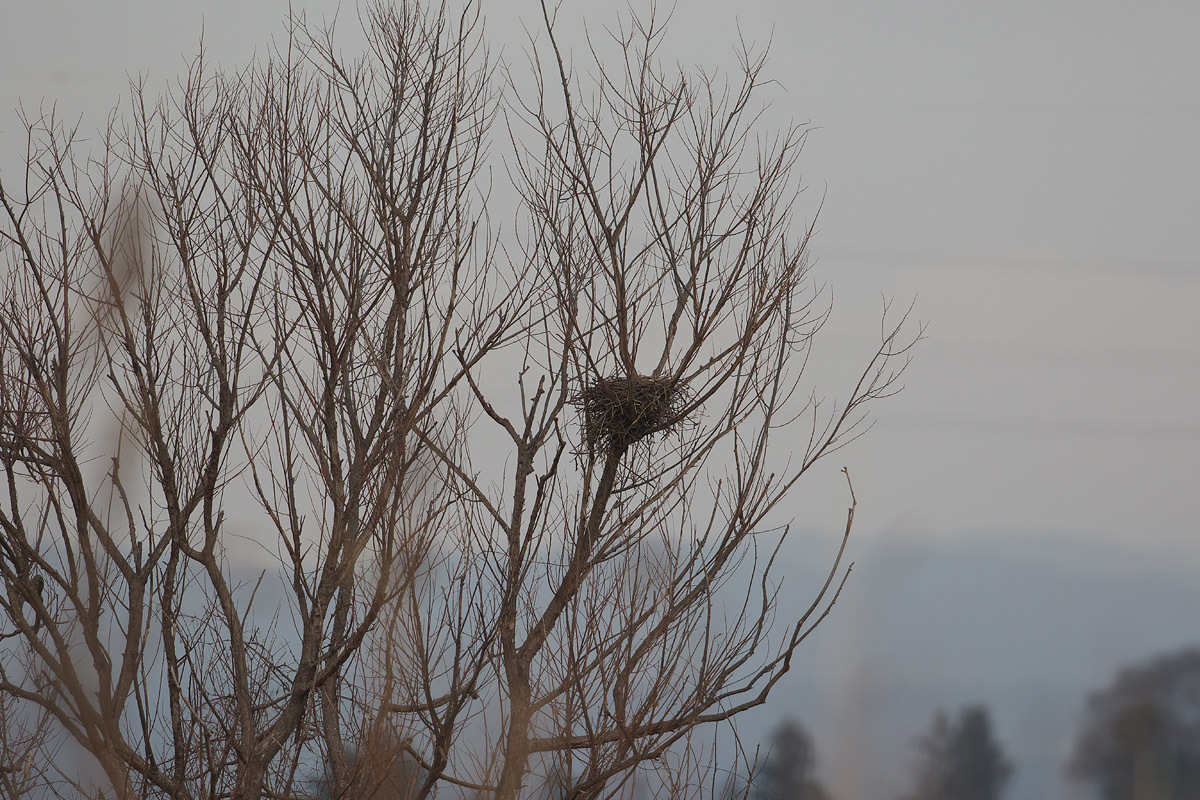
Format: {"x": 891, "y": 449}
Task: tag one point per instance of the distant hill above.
{"x": 1026, "y": 624}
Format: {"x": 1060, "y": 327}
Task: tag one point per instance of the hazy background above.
{"x": 1028, "y": 171}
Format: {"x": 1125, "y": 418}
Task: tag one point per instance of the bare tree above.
{"x": 309, "y": 466}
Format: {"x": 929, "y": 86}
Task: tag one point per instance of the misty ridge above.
{"x": 402, "y": 416}
{"x": 1028, "y": 639}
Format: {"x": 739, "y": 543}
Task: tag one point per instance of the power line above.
{"x": 1158, "y": 267}
{"x": 1108, "y": 111}
{"x": 1040, "y": 426}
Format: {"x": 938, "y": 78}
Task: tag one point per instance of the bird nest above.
{"x": 620, "y": 411}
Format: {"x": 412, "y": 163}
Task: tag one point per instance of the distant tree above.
{"x": 961, "y": 760}
{"x": 1140, "y": 737}
{"x": 790, "y": 769}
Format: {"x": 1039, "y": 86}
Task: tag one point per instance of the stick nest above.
{"x": 620, "y": 411}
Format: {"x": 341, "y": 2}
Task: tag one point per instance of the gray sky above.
{"x": 1027, "y": 170}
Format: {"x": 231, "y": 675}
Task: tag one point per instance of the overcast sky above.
{"x": 1027, "y": 171}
